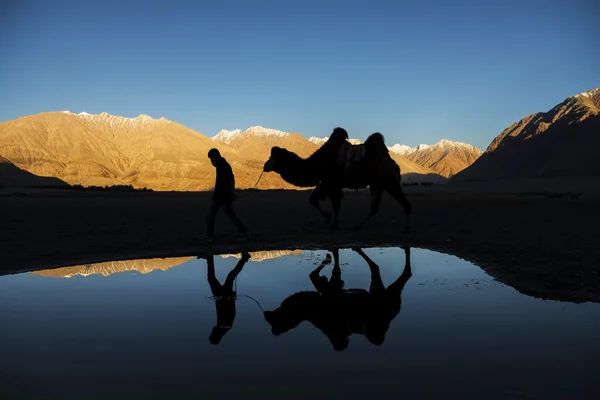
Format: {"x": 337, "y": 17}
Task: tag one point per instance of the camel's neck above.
{"x": 298, "y": 171}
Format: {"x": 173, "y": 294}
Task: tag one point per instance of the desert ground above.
{"x": 542, "y": 244}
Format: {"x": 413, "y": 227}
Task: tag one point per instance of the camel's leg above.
{"x": 335, "y": 195}
{"x": 376, "y": 194}
{"x": 395, "y": 189}
{"x": 376, "y": 282}
{"x": 336, "y": 256}
{"x": 397, "y": 287}
{"x": 315, "y": 197}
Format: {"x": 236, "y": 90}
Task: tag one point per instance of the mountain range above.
{"x": 51, "y": 148}
{"x": 103, "y": 150}
{"x": 561, "y": 142}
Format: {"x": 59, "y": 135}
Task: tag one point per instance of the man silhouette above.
{"x": 224, "y": 296}
{"x": 223, "y": 195}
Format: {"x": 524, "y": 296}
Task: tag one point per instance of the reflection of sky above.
{"x": 458, "y": 332}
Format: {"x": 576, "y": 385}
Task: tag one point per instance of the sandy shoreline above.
{"x": 543, "y": 246}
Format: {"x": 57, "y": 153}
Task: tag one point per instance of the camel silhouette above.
{"x": 338, "y": 312}
{"x": 376, "y": 169}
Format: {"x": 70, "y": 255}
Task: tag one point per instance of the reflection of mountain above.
{"x": 113, "y": 267}
{"x": 145, "y": 266}
{"x": 258, "y": 256}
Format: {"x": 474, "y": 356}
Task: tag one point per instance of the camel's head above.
{"x": 275, "y": 160}
{"x": 376, "y": 334}
{"x": 280, "y": 321}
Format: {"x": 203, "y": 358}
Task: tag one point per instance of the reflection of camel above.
{"x": 339, "y": 313}
{"x": 376, "y": 170}
{"x": 224, "y": 296}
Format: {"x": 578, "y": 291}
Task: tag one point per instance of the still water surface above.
{"x": 139, "y": 329}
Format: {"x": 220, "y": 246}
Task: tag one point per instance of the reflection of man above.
{"x": 224, "y": 297}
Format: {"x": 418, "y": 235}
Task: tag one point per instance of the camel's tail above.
{"x": 375, "y": 143}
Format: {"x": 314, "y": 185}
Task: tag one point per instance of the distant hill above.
{"x": 561, "y": 142}
{"x": 104, "y": 150}
{"x": 107, "y": 150}
{"x": 13, "y": 176}
{"x": 445, "y": 157}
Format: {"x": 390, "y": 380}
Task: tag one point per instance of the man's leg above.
{"x": 210, "y": 218}
{"x": 215, "y": 287}
{"x": 336, "y": 273}
{"x": 228, "y": 208}
{"x": 335, "y": 195}
{"x": 320, "y": 193}
{"x": 228, "y": 285}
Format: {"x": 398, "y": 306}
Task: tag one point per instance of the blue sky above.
{"x": 417, "y": 71}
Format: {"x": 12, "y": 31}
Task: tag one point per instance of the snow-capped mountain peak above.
{"x": 321, "y": 141}
{"x": 116, "y": 120}
{"x": 261, "y": 131}
{"x": 227, "y": 137}
{"x": 401, "y": 149}
{"x": 317, "y": 141}
{"x": 448, "y": 144}
{"x": 589, "y": 93}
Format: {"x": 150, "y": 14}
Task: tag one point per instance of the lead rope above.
{"x": 250, "y": 297}
{"x": 260, "y": 176}
{"x": 257, "y": 303}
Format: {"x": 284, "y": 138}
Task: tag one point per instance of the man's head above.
{"x": 214, "y": 156}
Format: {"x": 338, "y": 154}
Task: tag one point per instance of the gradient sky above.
{"x": 417, "y": 71}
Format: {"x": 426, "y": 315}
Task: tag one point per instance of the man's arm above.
{"x": 314, "y": 276}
